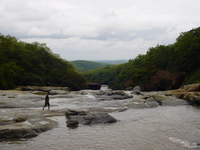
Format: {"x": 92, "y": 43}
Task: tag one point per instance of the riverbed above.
{"x": 159, "y": 128}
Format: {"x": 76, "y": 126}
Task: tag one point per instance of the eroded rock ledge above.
{"x": 23, "y": 123}
{"x": 190, "y": 93}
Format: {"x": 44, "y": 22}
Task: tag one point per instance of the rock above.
{"x": 71, "y": 112}
{"x": 136, "y": 92}
{"x": 72, "y": 123}
{"x": 9, "y": 133}
{"x": 174, "y": 102}
{"x": 177, "y": 79}
{"x": 189, "y": 93}
{"x": 163, "y": 80}
{"x": 94, "y": 86}
{"x": 112, "y": 95}
{"x": 162, "y": 83}
{"x": 148, "y": 87}
{"x": 152, "y": 104}
{"x": 129, "y": 88}
{"x": 89, "y": 118}
{"x": 169, "y": 100}
{"x": 194, "y": 88}
{"x": 166, "y": 81}
{"x": 22, "y": 123}
{"x": 128, "y": 84}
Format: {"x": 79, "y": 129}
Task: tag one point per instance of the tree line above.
{"x": 182, "y": 56}
{"x": 84, "y": 65}
{"x": 35, "y": 64}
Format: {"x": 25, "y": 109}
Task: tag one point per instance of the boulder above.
{"x": 148, "y": 87}
{"x": 162, "y": 83}
{"x": 177, "y": 79}
{"x": 128, "y": 83}
{"x": 88, "y": 118}
{"x": 72, "y": 123}
{"x": 163, "y": 80}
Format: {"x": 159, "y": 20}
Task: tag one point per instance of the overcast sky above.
{"x": 98, "y": 29}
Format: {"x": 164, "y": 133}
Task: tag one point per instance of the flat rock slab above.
{"x": 23, "y": 123}
{"x": 88, "y": 118}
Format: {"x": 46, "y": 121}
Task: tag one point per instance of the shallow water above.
{"x": 161, "y": 128}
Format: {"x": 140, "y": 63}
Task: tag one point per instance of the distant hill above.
{"x": 84, "y": 65}
{"x": 113, "y": 62}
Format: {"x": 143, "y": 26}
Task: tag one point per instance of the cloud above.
{"x": 91, "y": 29}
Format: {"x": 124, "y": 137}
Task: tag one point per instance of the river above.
{"x": 160, "y": 128}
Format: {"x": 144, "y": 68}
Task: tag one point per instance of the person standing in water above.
{"x": 47, "y": 101}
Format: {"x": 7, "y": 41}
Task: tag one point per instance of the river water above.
{"x": 161, "y": 128}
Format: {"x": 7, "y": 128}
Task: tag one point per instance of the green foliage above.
{"x": 182, "y": 56}
{"x": 83, "y": 65}
{"x": 193, "y": 77}
{"x": 34, "y": 64}
{"x": 187, "y": 51}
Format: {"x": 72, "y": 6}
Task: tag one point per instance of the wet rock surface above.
{"x": 190, "y": 93}
{"x": 88, "y": 118}
{"x": 23, "y": 123}
{"x": 22, "y": 117}
{"x": 111, "y": 95}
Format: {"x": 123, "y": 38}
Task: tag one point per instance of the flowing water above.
{"x": 161, "y": 128}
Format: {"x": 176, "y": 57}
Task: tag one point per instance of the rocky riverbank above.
{"x": 22, "y": 117}
{"x": 190, "y": 93}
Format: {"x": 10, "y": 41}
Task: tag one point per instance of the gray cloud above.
{"x": 93, "y": 29}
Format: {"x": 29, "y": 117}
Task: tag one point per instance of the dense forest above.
{"x": 31, "y": 64}
{"x": 84, "y": 65}
{"x": 112, "y": 62}
{"x": 182, "y": 56}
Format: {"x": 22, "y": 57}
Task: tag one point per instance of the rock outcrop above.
{"x": 190, "y": 93}
{"x": 87, "y": 118}
{"x": 163, "y": 80}
{"x": 23, "y": 124}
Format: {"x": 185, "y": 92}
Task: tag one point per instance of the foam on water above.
{"x": 184, "y": 143}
